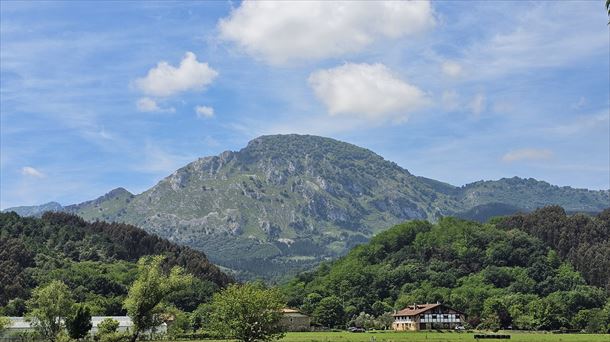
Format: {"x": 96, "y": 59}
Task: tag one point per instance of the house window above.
{"x": 433, "y": 316}
{"x": 446, "y": 316}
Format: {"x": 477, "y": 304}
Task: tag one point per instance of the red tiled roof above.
{"x": 415, "y": 310}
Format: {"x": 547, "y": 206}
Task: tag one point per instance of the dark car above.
{"x": 356, "y": 329}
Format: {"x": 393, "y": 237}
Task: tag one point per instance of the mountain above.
{"x": 498, "y": 273}
{"x": 96, "y": 260}
{"x": 287, "y": 202}
{"x": 36, "y": 210}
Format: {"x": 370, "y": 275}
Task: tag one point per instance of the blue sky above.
{"x": 97, "y": 95}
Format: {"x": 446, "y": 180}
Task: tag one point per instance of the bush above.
{"x": 107, "y": 326}
{"x": 115, "y": 337}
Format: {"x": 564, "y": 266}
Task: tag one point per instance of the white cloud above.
{"x": 32, "y": 172}
{"x": 452, "y": 69}
{"x": 478, "y": 104}
{"x": 156, "y": 160}
{"x": 547, "y": 35}
{"x": 527, "y": 154}
{"x": 584, "y": 125}
{"x": 166, "y": 80}
{"x": 368, "y": 91}
{"x": 204, "y": 111}
{"x": 283, "y": 31}
{"x": 146, "y": 104}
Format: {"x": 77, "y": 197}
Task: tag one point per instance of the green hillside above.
{"x": 285, "y": 203}
{"x": 498, "y": 274}
{"x": 96, "y": 260}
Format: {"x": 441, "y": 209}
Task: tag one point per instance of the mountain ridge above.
{"x": 291, "y": 201}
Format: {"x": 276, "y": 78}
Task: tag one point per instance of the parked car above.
{"x": 356, "y": 329}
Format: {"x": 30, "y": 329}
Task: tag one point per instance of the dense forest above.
{"x": 96, "y": 260}
{"x": 512, "y": 272}
{"x": 582, "y": 240}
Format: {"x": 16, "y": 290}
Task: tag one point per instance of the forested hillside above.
{"x": 499, "y": 275}
{"x": 96, "y": 260}
{"x": 582, "y": 240}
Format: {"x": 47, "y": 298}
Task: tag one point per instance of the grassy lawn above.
{"x": 434, "y": 337}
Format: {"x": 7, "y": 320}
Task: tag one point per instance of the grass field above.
{"x": 435, "y": 337}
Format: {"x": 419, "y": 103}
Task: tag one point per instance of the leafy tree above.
{"x": 200, "y": 317}
{"x": 5, "y": 322}
{"x": 15, "y": 307}
{"x": 495, "y": 310}
{"x": 48, "y": 307}
{"x": 310, "y": 303}
{"x": 247, "y": 313}
{"x": 107, "y": 326}
{"x": 385, "y": 320}
{"x": 181, "y": 323}
{"x": 363, "y": 320}
{"x": 329, "y": 312}
{"x": 149, "y": 290}
{"x": 79, "y": 323}
{"x": 379, "y": 308}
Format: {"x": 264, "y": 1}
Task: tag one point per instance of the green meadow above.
{"x": 435, "y": 337}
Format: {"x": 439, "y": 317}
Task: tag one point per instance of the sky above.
{"x": 100, "y": 95}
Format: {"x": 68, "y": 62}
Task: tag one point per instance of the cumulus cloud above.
{"x": 204, "y": 112}
{"x": 532, "y": 154}
{"x": 368, "y": 91}
{"x": 452, "y": 69}
{"x": 32, "y": 172}
{"x": 283, "y": 31}
{"x": 166, "y": 80}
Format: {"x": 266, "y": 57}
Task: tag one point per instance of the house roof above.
{"x": 417, "y": 309}
{"x": 287, "y": 312}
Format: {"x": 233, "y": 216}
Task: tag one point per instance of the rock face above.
{"x": 286, "y": 202}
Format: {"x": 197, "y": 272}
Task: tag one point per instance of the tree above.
{"x": 5, "y": 322}
{"x": 329, "y": 312}
{"x": 107, "y": 326}
{"x": 200, "y": 317}
{"x": 15, "y": 307}
{"x": 79, "y": 323}
{"x": 150, "y": 290}
{"x": 385, "y": 320}
{"x": 247, "y": 313}
{"x": 310, "y": 302}
{"x": 48, "y": 307}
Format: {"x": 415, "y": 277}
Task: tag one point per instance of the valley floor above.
{"x": 435, "y": 337}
